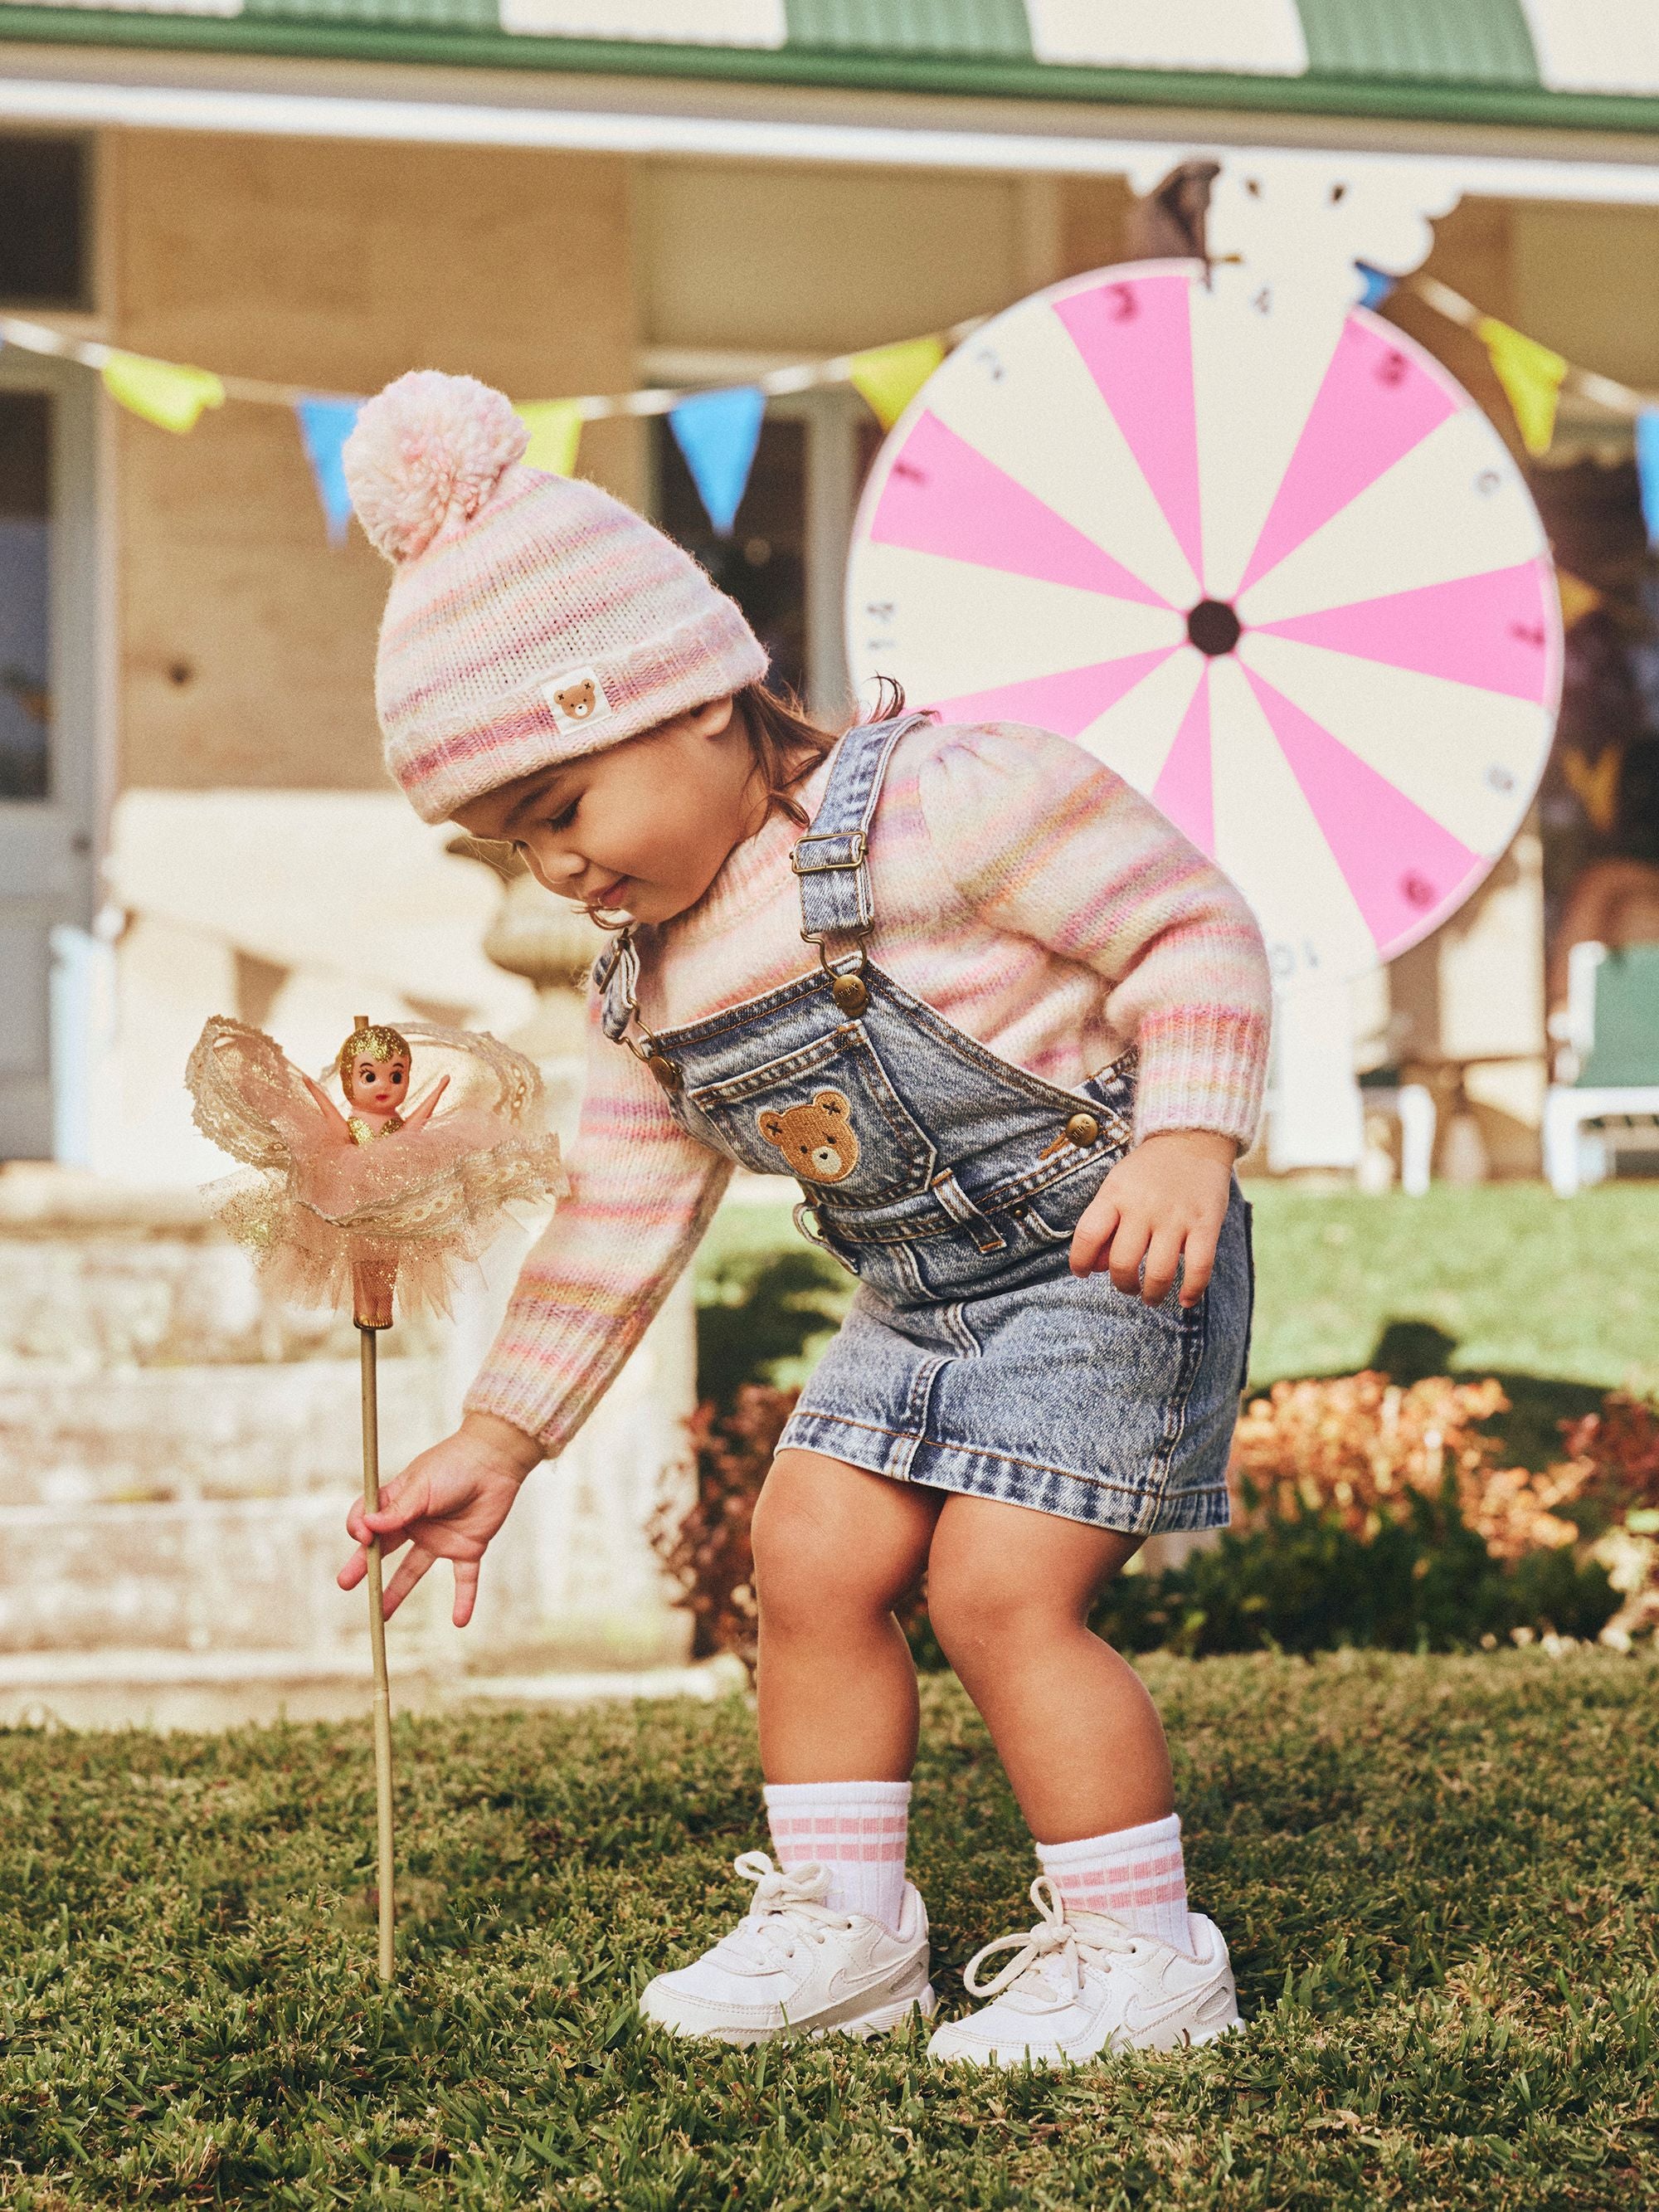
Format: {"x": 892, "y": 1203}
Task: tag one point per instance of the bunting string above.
{"x": 718, "y": 430}
{"x": 924, "y": 354}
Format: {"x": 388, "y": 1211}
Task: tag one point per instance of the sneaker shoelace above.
{"x": 786, "y": 1910}
{"x": 1048, "y": 1958}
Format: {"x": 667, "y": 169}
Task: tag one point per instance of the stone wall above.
{"x": 177, "y": 1457}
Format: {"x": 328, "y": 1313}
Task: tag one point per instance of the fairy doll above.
{"x": 385, "y": 1195}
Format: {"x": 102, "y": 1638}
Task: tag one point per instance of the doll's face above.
{"x": 640, "y": 829}
{"x": 377, "y": 1086}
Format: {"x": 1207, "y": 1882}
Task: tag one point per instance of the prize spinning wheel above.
{"x": 1279, "y": 572}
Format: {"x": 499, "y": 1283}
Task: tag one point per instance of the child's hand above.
{"x": 1167, "y": 1197}
{"x": 446, "y": 1504}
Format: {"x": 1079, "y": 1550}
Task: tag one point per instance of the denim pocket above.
{"x": 1054, "y": 1210}
{"x": 1249, "y": 1290}
{"x": 825, "y": 1113}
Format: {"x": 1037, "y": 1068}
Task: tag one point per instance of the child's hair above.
{"x": 789, "y": 743}
{"x": 373, "y": 1041}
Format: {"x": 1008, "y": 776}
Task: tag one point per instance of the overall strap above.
{"x": 617, "y": 978}
{"x": 831, "y": 858}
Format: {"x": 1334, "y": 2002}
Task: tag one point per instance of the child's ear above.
{"x": 714, "y": 719}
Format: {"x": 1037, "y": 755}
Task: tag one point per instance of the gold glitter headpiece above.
{"x": 371, "y": 1040}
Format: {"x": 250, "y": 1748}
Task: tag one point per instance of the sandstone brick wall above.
{"x": 246, "y": 641}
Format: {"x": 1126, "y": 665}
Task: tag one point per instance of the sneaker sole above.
{"x": 882, "y": 2021}
{"x": 1060, "y": 2060}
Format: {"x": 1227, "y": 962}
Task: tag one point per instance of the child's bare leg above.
{"x": 836, "y": 1550}
{"x": 1009, "y": 1591}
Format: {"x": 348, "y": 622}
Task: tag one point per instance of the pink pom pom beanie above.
{"x": 531, "y": 618}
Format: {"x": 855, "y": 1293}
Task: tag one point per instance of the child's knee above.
{"x": 794, "y": 1560}
{"x": 976, "y": 1609}
{"x": 804, "y": 1578}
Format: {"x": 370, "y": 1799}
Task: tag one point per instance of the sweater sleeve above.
{"x": 642, "y": 1195}
{"x": 1045, "y": 842}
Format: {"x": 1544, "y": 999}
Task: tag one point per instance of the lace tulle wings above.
{"x": 411, "y": 1205}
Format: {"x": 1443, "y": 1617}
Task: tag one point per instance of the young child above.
{"x": 1008, "y": 1028}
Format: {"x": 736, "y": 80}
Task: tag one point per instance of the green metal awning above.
{"x": 1590, "y": 63}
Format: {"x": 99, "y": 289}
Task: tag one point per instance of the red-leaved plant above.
{"x": 1356, "y": 1447}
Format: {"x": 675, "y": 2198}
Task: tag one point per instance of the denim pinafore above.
{"x": 950, "y": 1182}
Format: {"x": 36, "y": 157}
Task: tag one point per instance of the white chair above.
{"x": 1609, "y": 1102}
{"x": 1411, "y": 1104}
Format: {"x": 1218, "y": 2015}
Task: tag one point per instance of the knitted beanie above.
{"x": 531, "y": 618}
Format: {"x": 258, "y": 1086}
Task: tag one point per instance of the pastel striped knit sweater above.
{"x": 1021, "y": 888}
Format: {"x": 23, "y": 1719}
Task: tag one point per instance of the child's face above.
{"x": 377, "y": 1086}
{"x": 642, "y": 829}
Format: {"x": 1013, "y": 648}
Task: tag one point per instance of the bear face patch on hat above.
{"x": 576, "y": 699}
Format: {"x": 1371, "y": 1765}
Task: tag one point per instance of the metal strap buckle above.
{"x": 854, "y": 839}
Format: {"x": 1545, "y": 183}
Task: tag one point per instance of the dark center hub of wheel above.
{"x": 1213, "y": 627}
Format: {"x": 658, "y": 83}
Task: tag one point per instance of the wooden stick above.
{"x": 377, "y": 1647}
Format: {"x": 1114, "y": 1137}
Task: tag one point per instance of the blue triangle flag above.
{"x": 325, "y": 426}
{"x": 717, "y": 432}
{"x": 1647, "y": 469}
{"x": 1377, "y": 283}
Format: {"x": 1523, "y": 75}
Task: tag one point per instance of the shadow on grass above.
{"x": 1409, "y": 1350}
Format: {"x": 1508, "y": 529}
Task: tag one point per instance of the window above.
{"x": 25, "y": 545}
{"x": 762, "y": 565}
{"x": 785, "y": 561}
{"x": 43, "y": 202}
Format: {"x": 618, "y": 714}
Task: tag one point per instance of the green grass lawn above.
{"x": 1523, "y": 1281}
{"x": 1437, "y": 1875}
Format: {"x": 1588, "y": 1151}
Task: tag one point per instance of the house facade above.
{"x": 576, "y": 197}
{"x": 589, "y": 196}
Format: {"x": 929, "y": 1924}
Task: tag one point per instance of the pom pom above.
{"x": 427, "y": 452}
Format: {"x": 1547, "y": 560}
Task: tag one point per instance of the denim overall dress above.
{"x": 949, "y": 1181}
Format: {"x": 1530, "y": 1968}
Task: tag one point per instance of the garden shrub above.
{"x": 706, "y": 1550}
{"x": 1366, "y": 1513}
{"x": 1360, "y": 1447}
{"x": 758, "y": 1316}
{"x": 1425, "y": 1582}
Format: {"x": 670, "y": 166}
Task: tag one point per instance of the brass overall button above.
{"x": 1082, "y": 1128}
{"x": 849, "y": 993}
{"x": 665, "y": 1070}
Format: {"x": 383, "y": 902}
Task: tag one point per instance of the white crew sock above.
{"x": 855, "y": 1829}
{"x": 1135, "y": 1874}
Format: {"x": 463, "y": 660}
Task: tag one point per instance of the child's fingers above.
{"x": 398, "y": 1510}
{"x": 354, "y": 1570}
{"x": 466, "y": 1590}
{"x": 1128, "y": 1250}
{"x": 1093, "y": 1234}
{"x": 406, "y": 1577}
{"x": 1163, "y": 1259}
{"x": 1200, "y": 1264}
{"x": 389, "y": 1523}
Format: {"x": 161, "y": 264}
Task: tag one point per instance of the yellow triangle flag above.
{"x": 1531, "y": 377}
{"x": 163, "y": 392}
{"x": 556, "y": 429}
{"x": 1577, "y": 597}
{"x": 890, "y": 376}
{"x": 1594, "y": 784}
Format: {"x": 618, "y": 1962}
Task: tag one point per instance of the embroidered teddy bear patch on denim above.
{"x": 818, "y": 1140}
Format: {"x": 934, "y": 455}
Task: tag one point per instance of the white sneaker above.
{"x": 791, "y": 1966}
{"x": 1082, "y": 1984}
